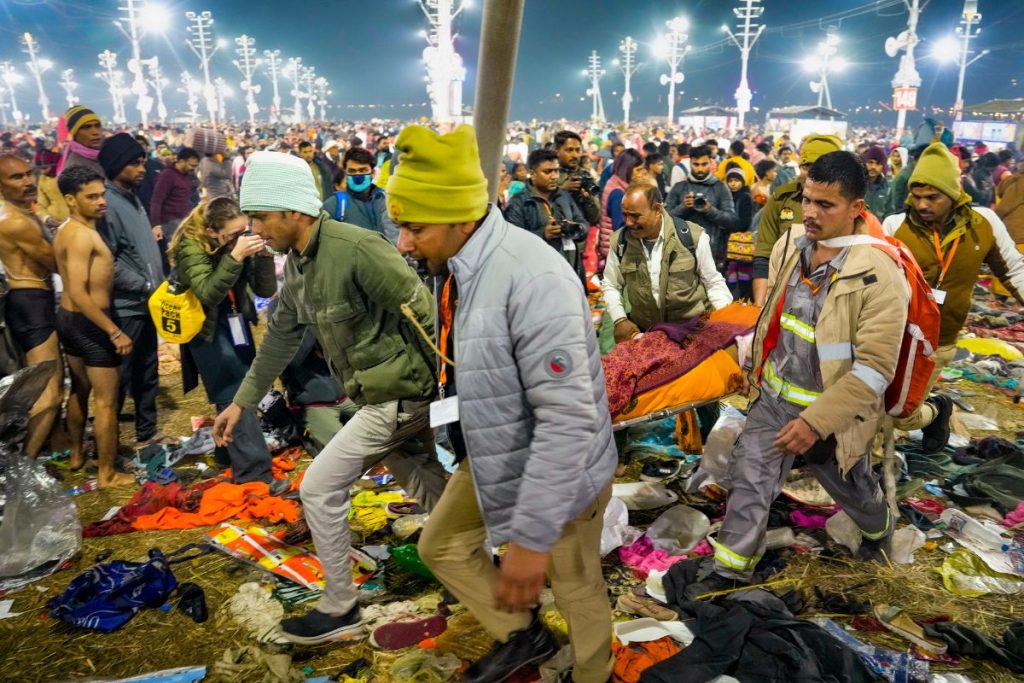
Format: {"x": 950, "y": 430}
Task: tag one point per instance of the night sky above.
{"x": 370, "y": 51}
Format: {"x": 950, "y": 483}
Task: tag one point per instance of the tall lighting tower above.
{"x": 594, "y": 73}
{"x": 246, "y": 63}
{"x": 67, "y": 82}
{"x": 628, "y": 65}
{"x": 38, "y": 67}
{"x": 747, "y": 33}
{"x": 907, "y": 80}
{"x": 191, "y": 88}
{"x": 203, "y": 46}
{"x": 272, "y": 60}
{"x": 672, "y": 48}
{"x": 824, "y": 63}
{"x": 322, "y": 90}
{"x": 115, "y": 83}
{"x": 10, "y": 77}
{"x": 445, "y": 71}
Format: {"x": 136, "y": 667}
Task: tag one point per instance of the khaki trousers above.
{"x": 925, "y": 413}
{"x": 452, "y": 546}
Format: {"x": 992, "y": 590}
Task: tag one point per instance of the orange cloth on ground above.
{"x": 715, "y": 377}
{"x": 222, "y": 502}
{"x": 737, "y": 313}
{"x": 633, "y": 659}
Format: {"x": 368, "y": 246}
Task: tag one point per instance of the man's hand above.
{"x": 122, "y": 344}
{"x": 745, "y": 387}
{"x": 572, "y": 184}
{"x": 224, "y": 425}
{"x": 247, "y": 245}
{"x": 520, "y": 579}
{"x": 625, "y": 330}
{"x": 552, "y": 231}
{"x": 797, "y": 437}
{"x": 688, "y": 200}
{"x": 158, "y": 232}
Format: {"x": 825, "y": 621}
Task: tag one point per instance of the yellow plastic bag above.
{"x": 178, "y": 316}
{"x": 966, "y": 574}
{"x": 986, "y": 346}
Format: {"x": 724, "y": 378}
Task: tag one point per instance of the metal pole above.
{"x": 10, "y": 78}
{"x": 746, "y": 13}
{"x": 273, "y": 58}
{"x": 67, "y": 82}
{"x": 37, "y": 68}
{"x": 628, "y": 49}
{"x": 246, "y": 51}
{"x": 499, "y": 46}
{"x": 907, "y": 76}
{"x": 203, "y": 47}
{"x": 971, "y": 16}
{"x": 594, "y": 72}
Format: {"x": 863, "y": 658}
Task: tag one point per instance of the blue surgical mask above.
{"x": 359, "y": 183}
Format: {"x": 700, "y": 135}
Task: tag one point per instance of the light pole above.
{"x": 11, "y": 78}
{"x": 628, "y": 65}
{"x": 445, "y": 71}
{"x": 672, "y": 47}
{"x": 824, "y": 63}
{"x": 191, "y": 89}
{"x": 159, "y": 83}
{"x": 322, "y": 89}
{"x": 139, "y": 18}
{"x": 38, "y": 67}
{"x": 966, "y": 33}
{"x": 307, "y": 80}
{"x": 115, "y": 84}
{"x": 594, "y": 73}
{"x": 67, "y": 82}
{"x": 747, "y": 33}
{"x": 293, "y": 72}
{"x": 246, "y": 63}
{"x": 272, "y": 58}
{"x": 906, "y": 81}
{"x": 201, "y": 42}
{"x": 223, "y": 90}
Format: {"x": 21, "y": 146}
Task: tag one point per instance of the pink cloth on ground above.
{"x": 810, "y": 519}
{"x": 1015, "y": 517}
{"x": 644, "y": 557}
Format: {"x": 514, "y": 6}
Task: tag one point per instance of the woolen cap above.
{"x": 814, "y": 146}
{"x": 940, "y": 169}
{"x": 117, "y": 152}
{"x": 78, "y": 116}
{"x": 439, "y": 181}
{"x": 278, "y": 182}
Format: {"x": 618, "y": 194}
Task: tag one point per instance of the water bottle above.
{"x": 963, "y": 527}
{"x": 90, "y": 485}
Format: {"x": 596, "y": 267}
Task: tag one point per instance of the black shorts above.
{"x": 31, "y": 315}
{"x": 82, "y": 339}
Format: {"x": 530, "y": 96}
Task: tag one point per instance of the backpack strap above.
{"x": 685, "y": 234}
{"x": 341, "y": 198}
{"x": 620, "y": 247}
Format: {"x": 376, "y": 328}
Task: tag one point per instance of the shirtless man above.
{"x": 93, "y": 343}
{"x": 28, "y": 263}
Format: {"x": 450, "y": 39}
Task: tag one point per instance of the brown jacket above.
{"x": 857, "y": 337}
{"x": 1011, "y": 205}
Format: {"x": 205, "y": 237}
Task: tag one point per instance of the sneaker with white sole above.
{"x": 315, "y": 628}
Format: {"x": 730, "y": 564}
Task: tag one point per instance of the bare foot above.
{"x": 76, "y": 461}
{"x": 116, "y": 479}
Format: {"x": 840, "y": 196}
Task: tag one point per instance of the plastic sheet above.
{"x": 966, "y": 574}
{"x": 40, "y": 528}
{"x": 714, "y": 466}
{"x": 679, "y": 529}
{"x": 424, "y": 667}
{"x": 616, "y": 531}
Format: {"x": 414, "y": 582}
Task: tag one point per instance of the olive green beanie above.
{"x": 940, "y": 169}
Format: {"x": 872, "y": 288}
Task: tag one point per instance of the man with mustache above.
{"x": 30, "y": 305}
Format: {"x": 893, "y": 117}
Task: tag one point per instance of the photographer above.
{"x": 548, "y": 212}
{"x": 574, "y": 180}
{"x": 705, "y": 200}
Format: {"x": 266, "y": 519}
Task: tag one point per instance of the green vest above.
{"x": 682, "y": 293}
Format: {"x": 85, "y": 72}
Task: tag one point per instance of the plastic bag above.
{"x": 714, "y": 466}
{"x": 424, "y": 666}
{"x": 966, "y": 574}
{"x": 40, "y": 528}
{"x": 904, "y": 542}
{"x": 616, "y": 531}
{"x": 844, "y": 531}
{"x": 679, "y": 529}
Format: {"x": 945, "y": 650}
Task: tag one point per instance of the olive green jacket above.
{"x": 212, "y": 276}
{"x": 348, "y": 286}
{"x": 780, "y": 213}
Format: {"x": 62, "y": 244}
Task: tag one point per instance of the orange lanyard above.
{"x": 447, "y": 317}
{"x": 944, "y": 261}
{"x": 231, "y": 298}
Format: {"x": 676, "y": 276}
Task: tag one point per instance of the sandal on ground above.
{"x": 644, "y": 607}
{"x": 897, "y": 621}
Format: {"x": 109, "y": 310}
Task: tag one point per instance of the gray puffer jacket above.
{"x": 532, "y": 400}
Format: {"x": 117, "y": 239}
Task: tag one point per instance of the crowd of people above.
{"x": 422, "y": 311}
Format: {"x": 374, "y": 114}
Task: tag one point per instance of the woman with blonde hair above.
{"x": 216, "y": 256}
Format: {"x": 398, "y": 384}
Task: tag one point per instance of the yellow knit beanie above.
{"x": 438, "y": 180}
{"x": 940, "y": 169}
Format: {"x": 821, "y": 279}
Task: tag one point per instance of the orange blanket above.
{"x": 222, "y": 502}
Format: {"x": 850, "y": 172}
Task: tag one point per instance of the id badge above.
{"x": 444, "y": 412}
{"x": 237, "y": 327}
{"x": 568, "y": 244}
{"x": 940, "y": 296}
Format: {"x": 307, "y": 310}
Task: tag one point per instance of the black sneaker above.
{"x": 875, "y": 551}
{"x": 661, "y": 470}
{"x": 532, "y": 645}
{"x": 936, "y": 435}
{"x": 279, "y": 487}
{"x": 316, "y": 627}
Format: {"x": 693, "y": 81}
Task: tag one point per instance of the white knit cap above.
{"x": 279, "y": 182}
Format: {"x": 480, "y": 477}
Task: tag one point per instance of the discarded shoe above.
{"x": 936, "y": 435}
{"x": 279, "y": 487}
{"x": 315, "y": 627}
{"x": 532, "y": 645}
{"x": 404, "y": 509}
{"x": 644, "y": 607}
{"x": 875, "y": 551}
{"x": 192, "y": 601}
{"x": 661, "y": 470}
{"x": 405, "y": 632}
{"x": 897, "y": 621}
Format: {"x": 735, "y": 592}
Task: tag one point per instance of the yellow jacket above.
{"x": 50, "y": 202}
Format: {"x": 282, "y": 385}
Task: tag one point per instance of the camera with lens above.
{"x": 573, "y": 230}
{"x": 587, "y": 183}
{"x": 699, "y": 201}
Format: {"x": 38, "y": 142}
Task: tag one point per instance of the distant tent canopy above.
{"x": 1015, "y": 106}
{"x": 807, "y": 112}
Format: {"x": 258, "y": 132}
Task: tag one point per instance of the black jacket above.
{"x": 722, "y": 216}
